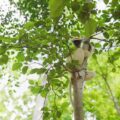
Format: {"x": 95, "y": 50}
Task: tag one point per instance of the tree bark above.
{"x": 78, "y": 85}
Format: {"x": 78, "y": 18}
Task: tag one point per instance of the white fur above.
{"x": 78, "y": 54}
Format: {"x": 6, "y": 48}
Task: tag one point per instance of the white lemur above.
{"x": 80, "y": 54}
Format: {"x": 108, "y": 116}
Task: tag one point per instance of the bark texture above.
{"x": 78, "y": 85}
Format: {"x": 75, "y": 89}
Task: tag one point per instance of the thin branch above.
{"x": 104, "y": 76}
{"x": 95, "y": 34}
{"x": 100, "y": 39}
{"x": 44, "y": 105}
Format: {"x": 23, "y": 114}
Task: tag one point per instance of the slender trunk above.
{"x": 37, "y": 112}
{"x": 78, "y": 85}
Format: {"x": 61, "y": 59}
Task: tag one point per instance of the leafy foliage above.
{"x": 56, "y": 8}
{"x": 44, "y": 39}
{"x": 90, "y": 27}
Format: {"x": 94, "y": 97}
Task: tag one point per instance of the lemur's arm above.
{"x": 87, "y": 49}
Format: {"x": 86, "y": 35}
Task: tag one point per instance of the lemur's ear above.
{"x": 77, "y": 42}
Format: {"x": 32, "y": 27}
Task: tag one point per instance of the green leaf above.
{"x": 35, "y": 90}
{"x": 24, "y": 69}
{"x": 20, "y": 56}
{"x": 106, "y": 1}
{"x": 59, "y": 113}
{"x": 38, "y": 71}
{"x": 43, "y": 93}
{"x": 106, "y": 35}
{"x": 65, "y": 105}
{"x": 42, "y": 70}
{"x": 90, "y": 27}
{"x": 114, "y": 70}
{"x": 16, "y": 66}
{"x": 98, "y": 45}
{"x": 105, "y": 44}
{"x": 3, "y": 59}
{"x": 29, "y": 25}
{"x": 2, "y": 50}
{"x": 56, "y": 8}
{"x": 75, "y": 6}
{"x": 34, "y": 71}
{"x": 7, "y": 39}
{"x": 94, "y": 56}
{"x": 31, "y": 82}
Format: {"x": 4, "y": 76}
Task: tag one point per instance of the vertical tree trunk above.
{"x": 78, "y": 84}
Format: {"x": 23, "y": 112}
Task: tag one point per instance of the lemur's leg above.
{"x": 89, "y": 75}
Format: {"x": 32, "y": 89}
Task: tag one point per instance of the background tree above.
{"x": 43, "y": 38}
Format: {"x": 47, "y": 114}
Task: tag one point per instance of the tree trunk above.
{"x": 78, "y": 85}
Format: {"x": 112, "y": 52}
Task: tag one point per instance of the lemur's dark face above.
{"x": 77, "y": 43}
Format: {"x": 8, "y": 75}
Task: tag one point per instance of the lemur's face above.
{"x": 77, "y": 42}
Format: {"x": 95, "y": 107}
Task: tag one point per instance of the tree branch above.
{"x": 100, "y": 39}
{"x": 104, "y": 76}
